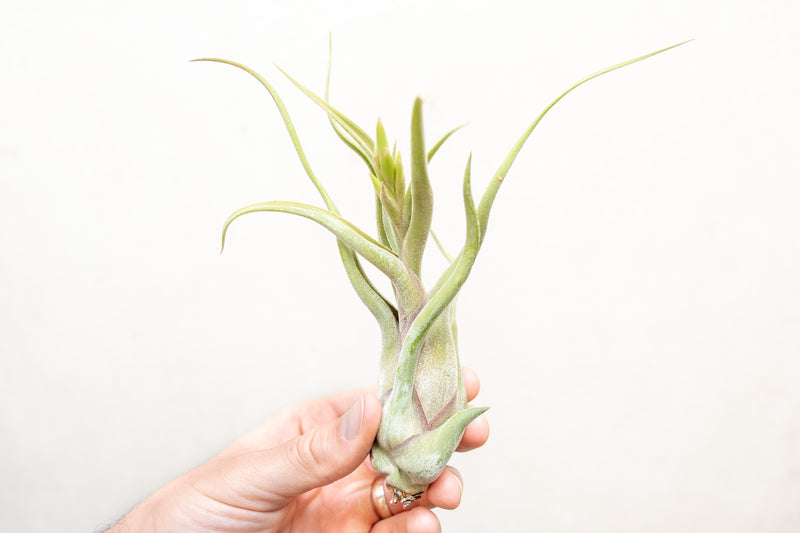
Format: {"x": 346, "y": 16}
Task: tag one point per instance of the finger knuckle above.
{"x": 302, "y": 455}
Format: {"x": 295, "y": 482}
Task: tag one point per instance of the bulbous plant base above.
{"x": 417, "y": 461}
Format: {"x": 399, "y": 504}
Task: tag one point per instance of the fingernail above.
{"x": 460, "y": 483}
{"x": 351, "y": 421}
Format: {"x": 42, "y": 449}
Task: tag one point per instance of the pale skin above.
{"x": 304, "y": 470}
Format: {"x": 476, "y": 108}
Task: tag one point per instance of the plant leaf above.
{"x": 399, "y": 180}
{"x": 440, "y": 142}
{"x": 456, "y": 277}
{"x": 379, "y": 306}
{"x": 388, "y": 216}
{"x": 390, "y": 206}
{"x": 287, "y": 122}
{"x": 402, "y": 394}
{"x": 382, "y": 236}
{"x": 360, "y": 137}
{"x": 384, "y": 259}
{"x": 422, "y": 458}
{"x": 408, "y": 208}
{"x": 343, "y": 135}
{"x": 441, "y": 248}
{"x": 422, "y": 196}
{"x": 494, "y": 185}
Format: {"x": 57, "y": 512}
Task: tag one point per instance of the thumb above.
{"x": 324, "y": 454}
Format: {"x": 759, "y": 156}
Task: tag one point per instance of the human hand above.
{"x": 306, "y": 470}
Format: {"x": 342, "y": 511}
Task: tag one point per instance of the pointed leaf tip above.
{"x": 423, "y": 457}
{"x": 494, "y": 185}
{"x": 444, "y": 138}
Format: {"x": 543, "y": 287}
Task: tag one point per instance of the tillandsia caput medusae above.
{"x": 420, "y": 384}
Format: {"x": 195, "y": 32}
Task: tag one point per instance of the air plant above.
{"x": 420, "y": 384}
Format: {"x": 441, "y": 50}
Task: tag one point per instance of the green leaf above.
{"x": 383, "y": 161}
{"x": 494, "y": 185}
{"x": 388, "y": 216}
{"x": 422, "y": 458}
{"x": 378, "y": 305}
{"x": 385, "y": 314}
{"x": 441, "y": 248}
{"x": 355, "y": 238}
{"x": 440, "y": 142}
{"x": 422, "y": 196}
{"x": 343, "y": 135}
{"x": 382, "y": 236}
{"x": 381, "y": 143}
{"x": 383, "y": 258}
{"x": 402, "y": 395}
{"x": 399, "y": 179}
{"x": 390, "y": 206}
{"x": 381, "y": 308}
{"x": 448, "y": 289}
{"x": 362, "y": 140}
{"x": 407, "y": 211}
{"x": 287, "y": 121}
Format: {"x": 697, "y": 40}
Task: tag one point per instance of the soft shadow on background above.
{"x": 634, "y": 314}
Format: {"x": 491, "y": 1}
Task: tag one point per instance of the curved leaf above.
{"x": 440, "y": 142}
{"x": 286, "y": 120}
{"x": 361, "y": 138}
{"x": 402, "y": 395}
{"x": 378, "y": 305}
{"x": 384, "y": 259}
{"x": 422, "y": 458}
{"x": 494, "y": 185}
{"x": 343, "y": 135}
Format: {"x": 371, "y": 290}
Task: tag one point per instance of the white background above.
{"x": 634, "y": 314}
